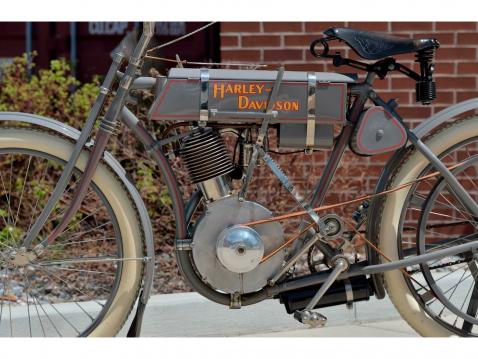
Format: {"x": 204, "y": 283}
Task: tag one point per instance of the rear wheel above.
{"x": 442, "y": 297}
{"x": 87, "y": 281}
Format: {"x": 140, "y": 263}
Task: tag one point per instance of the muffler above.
{"x": 346, "y": 291}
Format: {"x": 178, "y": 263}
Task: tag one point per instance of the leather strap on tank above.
{"x": 311, "y": 100}
{"x": 204, "y": 98}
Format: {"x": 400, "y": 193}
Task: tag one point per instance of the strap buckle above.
{"x": 311, "y": 102}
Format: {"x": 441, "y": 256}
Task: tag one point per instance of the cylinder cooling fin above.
{"x": 205, "y": 155}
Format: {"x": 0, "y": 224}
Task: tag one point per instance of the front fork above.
{"x": 107, "y": 128}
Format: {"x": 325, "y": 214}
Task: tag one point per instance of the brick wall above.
{"x": 287, "y": 43}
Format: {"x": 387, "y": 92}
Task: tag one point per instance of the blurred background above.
{"x": 87, "y": 45}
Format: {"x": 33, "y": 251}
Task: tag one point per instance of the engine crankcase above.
{"x": 227, "y": 255}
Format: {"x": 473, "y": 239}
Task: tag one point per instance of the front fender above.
{"x": 72, "y": 133}
{"x": 422, "y": 130}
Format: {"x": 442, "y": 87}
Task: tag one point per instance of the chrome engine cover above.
{"x": 240, "y": 248}
{"x": 217, "y": 236}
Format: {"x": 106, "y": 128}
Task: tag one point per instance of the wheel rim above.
{"x": 434, "y": 219}
{"x": 69, "y": 288}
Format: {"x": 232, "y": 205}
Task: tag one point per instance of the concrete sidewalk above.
{"x": 190, "y": 315}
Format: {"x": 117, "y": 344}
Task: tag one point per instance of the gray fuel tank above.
{"x": 248, "y": 90}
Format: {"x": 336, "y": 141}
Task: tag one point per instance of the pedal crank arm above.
{"x": 308, "y": 316}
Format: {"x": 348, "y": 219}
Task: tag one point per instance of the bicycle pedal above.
{"x": 310, "y": 318}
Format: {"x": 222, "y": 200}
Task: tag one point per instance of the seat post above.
{"x": 370, "y": 78}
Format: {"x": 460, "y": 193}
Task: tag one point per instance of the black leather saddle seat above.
{"x": 375, "y": 46}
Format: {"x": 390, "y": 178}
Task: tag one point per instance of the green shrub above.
{"x": 52, "y": 92}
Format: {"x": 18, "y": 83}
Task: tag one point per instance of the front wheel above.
{"x": 437, "y": 298}
{"x": 86, "y": 282}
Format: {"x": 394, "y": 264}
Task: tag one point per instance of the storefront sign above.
{"x": 107, "y": 28}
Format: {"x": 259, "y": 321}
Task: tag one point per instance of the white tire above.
{"x": 409, "y": 170}
{"x": 121, "y": 205}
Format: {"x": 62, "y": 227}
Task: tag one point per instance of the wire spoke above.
{"x": 450, "y": 272}
{"x": 36, "y": 307}
{"x": 70, "y": 243}
{"x": 58, "y": 312}
{"x": 46, "y": 314}
{"x": 458, "y": 210}
{"x": 52, "y": 275}
{"x": 8, "y": 201}
{"x": 442, "y": 215}
{"x": 453, "y": 291}
{"x": 83, "y": 233}
{"x": 445, "y": 292}
{"x": 23, "y": 190}
{"x": 81, "y": 260}
{"x": 28, "y": 303}
{"x": 468, "y": 237}
{"x": 8, "y": 194}
{"x": 34, "y": 211}
{"x": 84, "y": 271}
{"x": 4, "y": 294}
{"x": 472, "y": 308}
{"x": 10, "y": 306}
{"x": 469, "y": 290}
{"x": 75, "y": 224}
{"x": 64, "y": 318}
{"x": 447, "y": 205}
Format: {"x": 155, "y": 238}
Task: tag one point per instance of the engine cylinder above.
{"x": 205, "y": 156}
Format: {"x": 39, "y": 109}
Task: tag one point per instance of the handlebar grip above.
{"x": 322, "y": 42}
{"x": 325, "y": 44}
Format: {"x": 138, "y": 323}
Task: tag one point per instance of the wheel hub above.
{"x": 18, "y": 258}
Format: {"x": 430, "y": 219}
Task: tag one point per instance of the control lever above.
{"x": 307, "y": 315}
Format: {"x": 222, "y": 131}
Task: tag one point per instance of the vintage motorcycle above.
{"x": 79, "y": 258}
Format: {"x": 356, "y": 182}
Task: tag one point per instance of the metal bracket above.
{"x": 311, "y": 101}
{"x": 160, "y": 143}
{"x": 270, "y": 106}
{"x": 267, "y": 116}
{"x": 183, "y": 244}
{"x": 349, "y": 293}
{"x": 235, "y": 301}
{"x": 204, "y": 98}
